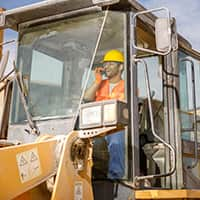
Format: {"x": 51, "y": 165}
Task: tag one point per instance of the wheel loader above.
{"x": 53, "y": 141}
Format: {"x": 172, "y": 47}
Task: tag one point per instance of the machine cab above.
{"x": 57, "y": 57}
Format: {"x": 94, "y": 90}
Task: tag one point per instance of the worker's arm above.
{"x": 90, "y": 93}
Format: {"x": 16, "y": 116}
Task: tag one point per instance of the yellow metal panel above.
{"x": 24, "y": 196}
{"x": 167, "y": 194}
{"x": 69, "y": 180}
{"x": 25, "y": 166}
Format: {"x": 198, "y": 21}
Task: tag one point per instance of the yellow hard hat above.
{"x": 113, "y": 55}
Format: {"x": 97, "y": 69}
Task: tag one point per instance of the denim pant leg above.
{"x": 116, "y": 148}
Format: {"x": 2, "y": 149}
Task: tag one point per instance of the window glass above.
{"x": 149, "y": 155}
{"x": 186, "y": 95}
{"x": 43, "y": 70}
{"x": 186, "y": 102}
{"x": 110, "y": 153}
{"x": 53, "y": 59}
{"x": 155, "y": 74}
{"x": 156, "y": 88}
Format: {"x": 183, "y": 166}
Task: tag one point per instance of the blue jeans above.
{"x": 116, "y": 149}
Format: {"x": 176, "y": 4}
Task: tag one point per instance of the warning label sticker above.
{"x": 78, "y": 191}
{"x": 28, "y": 164}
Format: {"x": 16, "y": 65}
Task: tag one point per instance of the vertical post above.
{"x": 2, "y": 93}
{"x": 1, "y": 35}
{"x": 132, "y": 98}
{"x": 171, "y": 109}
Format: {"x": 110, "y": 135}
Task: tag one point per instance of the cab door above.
{"x": 189, "y": 70}
{"x": 154, "y": 101}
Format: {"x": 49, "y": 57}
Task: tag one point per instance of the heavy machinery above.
{"x": 51, "y": 139}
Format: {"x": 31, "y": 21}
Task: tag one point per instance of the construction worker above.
{"x": 111, "y": 88}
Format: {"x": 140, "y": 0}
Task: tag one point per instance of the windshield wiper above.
{"x": 21, "y": 86}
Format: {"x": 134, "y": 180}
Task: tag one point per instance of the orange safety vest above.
{"x": 104, "y": 94}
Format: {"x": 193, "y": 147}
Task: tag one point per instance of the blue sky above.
{"x": 186, "y": 13}
{"x": 9, "y": 34}
{"x": 187, "y": 17}
{"x": 9, "y": 4}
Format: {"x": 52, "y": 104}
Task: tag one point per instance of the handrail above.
{"x": 173, "y": 154}
{"x": 90, "y": 66}
{"x": 194, "y": 164}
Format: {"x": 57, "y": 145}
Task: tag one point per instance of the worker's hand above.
{"x": 98, "y": 74}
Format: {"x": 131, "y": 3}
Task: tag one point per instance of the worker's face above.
{"x": 112, "y": 69}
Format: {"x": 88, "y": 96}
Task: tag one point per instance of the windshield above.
{"x": 54, "y": 60}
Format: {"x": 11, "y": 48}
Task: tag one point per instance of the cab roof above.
{"x": 49, "y": 8}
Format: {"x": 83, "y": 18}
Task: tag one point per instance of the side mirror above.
{"x": 162, "y": 34}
